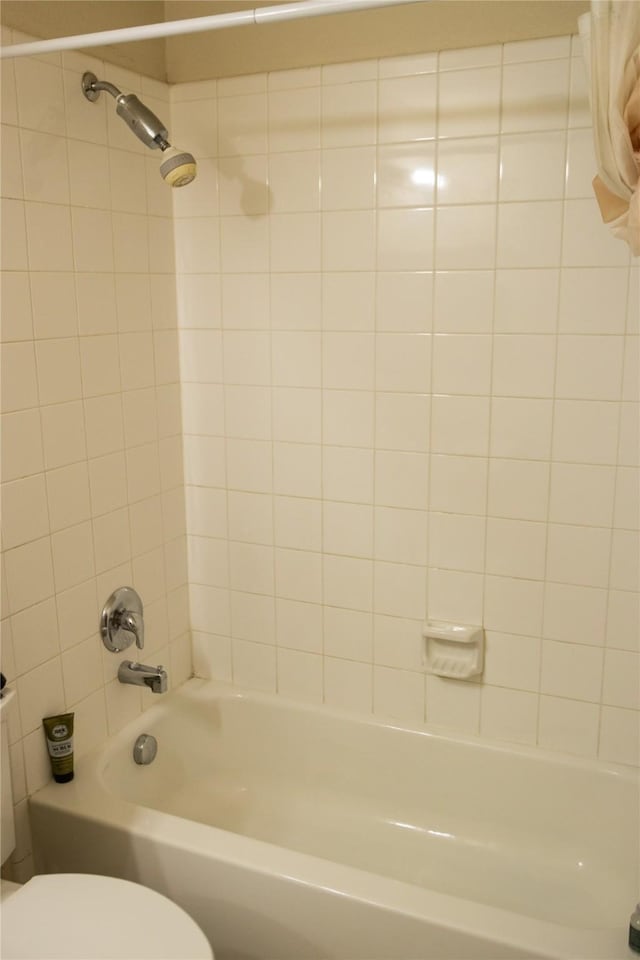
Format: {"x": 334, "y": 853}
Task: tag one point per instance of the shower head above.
{"x": 177, "y": 167}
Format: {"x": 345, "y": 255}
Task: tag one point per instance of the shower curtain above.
{"x": 611, "y": 47}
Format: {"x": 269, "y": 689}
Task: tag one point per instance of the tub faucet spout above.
{"x": 143, "y": 676}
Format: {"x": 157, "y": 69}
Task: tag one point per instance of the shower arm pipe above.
{"x": 98, "y": 85}
{"x": 219, "y": 21}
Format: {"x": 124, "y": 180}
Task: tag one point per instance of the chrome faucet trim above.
{"x": 141, "y": 675}
{"x": 122, "y": 620}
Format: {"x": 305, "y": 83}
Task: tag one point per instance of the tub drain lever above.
{"x": 145, "y": 749}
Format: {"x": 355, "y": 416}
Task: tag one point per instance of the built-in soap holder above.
{"x": 453, "y": 649}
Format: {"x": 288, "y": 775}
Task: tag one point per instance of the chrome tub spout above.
{"x": 143, "y": 676}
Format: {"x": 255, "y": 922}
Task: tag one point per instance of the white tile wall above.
{"x": 91, "y": 445}
{"x": 407, "y": 362}
{"x": 417, "y": 393}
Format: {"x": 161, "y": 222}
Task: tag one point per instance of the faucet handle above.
{"x": 132, "y": 623}
{"x": 122, "y": 620}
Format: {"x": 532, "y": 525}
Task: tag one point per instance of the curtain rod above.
{"x": 219, "y": 21}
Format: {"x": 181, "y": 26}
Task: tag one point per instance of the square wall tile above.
{"x": 523, "y": 366}
{"x": 463, "y": 301}
{"x": 401, "y": 479}
{"x": 348, "y": 178}
{"x": 45, "y": 167}
{"x": 19, "y": 377}
{"x": 452, "y": 704}
{"x": 348, "y": 301}
{"x": 241, "y": 302}
{"x": 348, "y": 685}
{"x": 348, "y": 634}
{"x": 294, "y": 181}
{"x": 295, "y": 301}
{"x": 398, "y": 694}
{"x": 521, "y": 428}
{"x": 510, "y": 715}
{"x": 526, "y": 301}
{"x": 347, "y": 474}
{"x": 592, "y": 300}
{"x": 242, "y": 125}
{"x": 568, "y": 725}
{"x": 54, "y": 305}
{"x": 458, "y": 484}
{"x": 575, "y": 614}
{"x": 295, "y": 242}
{"x": 16, "y": 307}
{"x": 11, "y": 182}
{"x": 406, "y": 174}
{"x": 348, "y": 240}
{"x": 294, "y": 119}
{"x": 461, "y": 364}
{"x": 535, "y": 96}
{"x": 532, "y": 166}
{"x": 89, "y": 179}
{"x": 24, "y": 511}
{"x": 456, "y": 542}
{"x": 58, "y": 364}
{"x": 347, "y": 529}
{"x": 405, "y": 240}
{"x": 49, "y": 237}
{"x": 404, "y": 302}
{"x": 468, "y": 170}
{"x": 299, "y": 625}
{"x": 402, "y": 422}
{"x": 349, "y": 114}
{"x": 403, "y": 362}
{"x": 29, "y": 573}
{"x": 300, "y": 675}
{"x": 469, "y": 100}
{"x": 529, "y": 234}
{"x": 571, "y": 670}
{"x": 348, "y": 418}
{"x": 297, "y": 523}
{"x": 407, "y": 108}
{"x": 465, "y": 237}
{"x": 589, "y": 367}
{"x": 21, "y": 437}
{"x": 35, "y": 112}
{"x": 348, "y": 361}
{"x": 460, "y": 425}
{"x": 518, "y": 489}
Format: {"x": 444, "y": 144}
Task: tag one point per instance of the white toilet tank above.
{"x": 7, "y": 822}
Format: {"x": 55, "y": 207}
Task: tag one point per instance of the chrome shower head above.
{"x": 177, "y": 167}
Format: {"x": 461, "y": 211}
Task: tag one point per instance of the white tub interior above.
{"x": 525, "y": 833}
{"x": 490, "y": 825}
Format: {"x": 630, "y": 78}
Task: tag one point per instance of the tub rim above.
{"x": 88, "y": 798}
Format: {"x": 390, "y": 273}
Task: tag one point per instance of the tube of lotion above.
{"x": 59, "y": 734}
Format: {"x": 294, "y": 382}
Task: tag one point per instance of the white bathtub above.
{"x": 296, "y": 833}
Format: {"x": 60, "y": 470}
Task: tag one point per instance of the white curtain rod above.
{"x": 220, "y": 21}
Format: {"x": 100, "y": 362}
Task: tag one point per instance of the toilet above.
{"x": 74, "y": 916}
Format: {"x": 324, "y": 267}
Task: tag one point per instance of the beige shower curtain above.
{"x": 610, "y": 37}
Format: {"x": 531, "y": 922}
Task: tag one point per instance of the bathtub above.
{"x": 292, "y": 832}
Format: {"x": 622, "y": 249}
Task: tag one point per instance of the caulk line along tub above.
{"x": 59, "y": 734}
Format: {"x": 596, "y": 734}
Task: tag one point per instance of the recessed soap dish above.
{"x": 453, "y": 650}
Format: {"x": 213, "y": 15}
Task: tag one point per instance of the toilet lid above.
{"x": 75, "y": 916}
